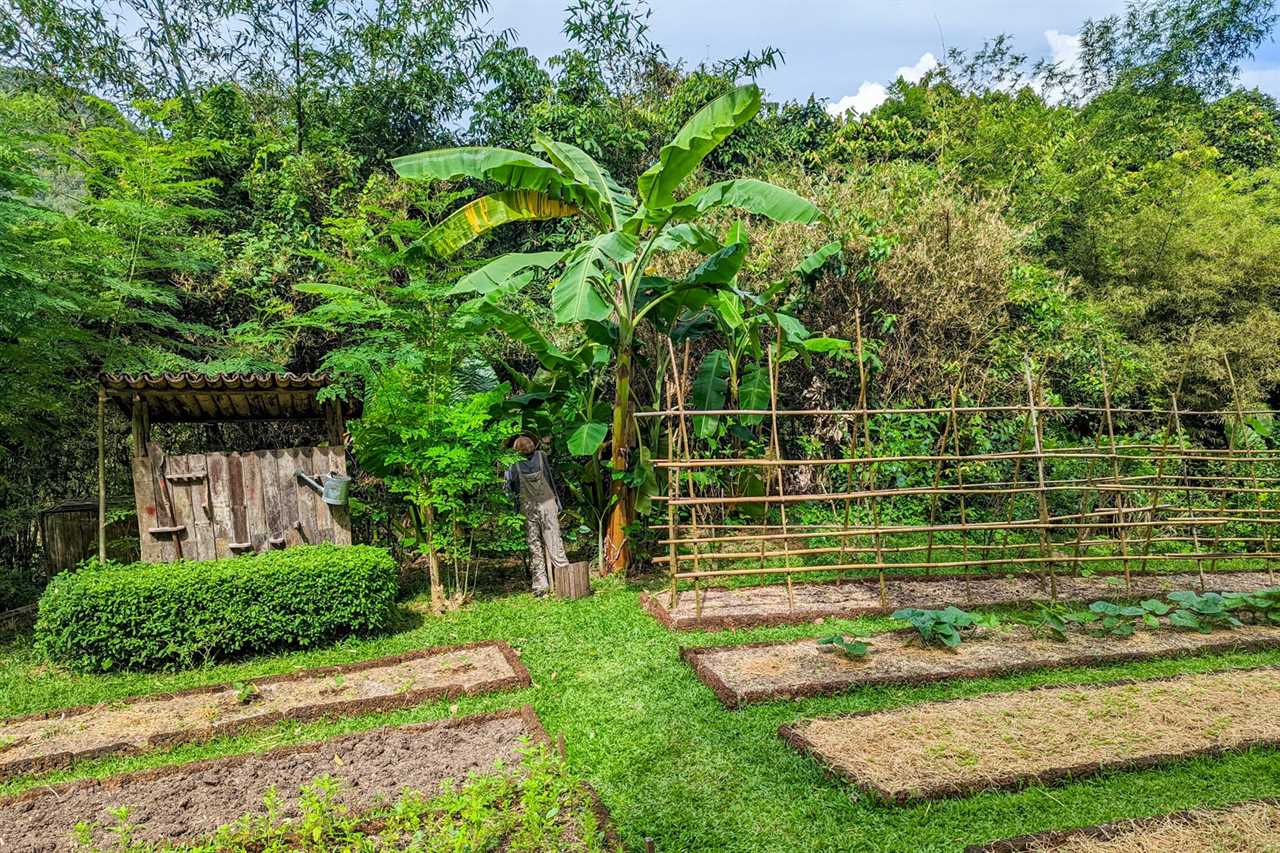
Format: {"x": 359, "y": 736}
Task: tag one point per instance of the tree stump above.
{"x": 573, "y": 582}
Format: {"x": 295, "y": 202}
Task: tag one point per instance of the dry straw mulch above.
{"x": 770, "y": 604}
{"x": 1008, "y": 740}
{"x": 53, "y": 739}
{"x": 1252, "y": 827}
{"x": 759, "y": 672}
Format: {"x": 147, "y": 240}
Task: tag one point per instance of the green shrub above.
{"x": 143, "y": 616}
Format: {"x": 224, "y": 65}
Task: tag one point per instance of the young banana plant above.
{"x": 605, "y": 283}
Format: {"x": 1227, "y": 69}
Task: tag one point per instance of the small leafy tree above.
{"x": 606, "y": 283}
{"x": 439, "y": 450}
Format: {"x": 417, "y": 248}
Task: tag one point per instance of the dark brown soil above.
{"x": 759, "y": 672}
{"x": 185, "y": 802}
{"x": 52, "y": 739}
{"x": 746, "y": 607}
{"x": 1008, "y": 740}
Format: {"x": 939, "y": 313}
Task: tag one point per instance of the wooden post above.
{"x": 102, "y": 475}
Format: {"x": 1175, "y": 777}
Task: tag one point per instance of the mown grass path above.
{"x": 669, "y": 762}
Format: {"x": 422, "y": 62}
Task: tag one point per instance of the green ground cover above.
{"x": 668, "y": 761}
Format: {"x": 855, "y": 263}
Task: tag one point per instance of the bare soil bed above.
{"x": 1245, "y": 828}
{"x": 746, "y": 607}
{"x": 759, "y": 672}
{"x": 186, "y": 802}
{"x": 55, "y": 739}
{"x": 1008, "y": 740}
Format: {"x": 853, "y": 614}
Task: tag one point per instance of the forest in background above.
{"x": 209, "y": 188}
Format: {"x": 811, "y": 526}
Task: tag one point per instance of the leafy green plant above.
{"x": 852, "y": 649}
{"x": 144, "y": 616}
{"x": 246, "y": 692}
{"x": 940, "y": 627}
{"x": 1262, "y": 605}
{"x": 1203, "y": 613}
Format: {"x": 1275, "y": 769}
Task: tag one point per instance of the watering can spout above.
{"x": 333, "y": 491}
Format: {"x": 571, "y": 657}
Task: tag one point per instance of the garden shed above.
{"x": 205, "y": 506}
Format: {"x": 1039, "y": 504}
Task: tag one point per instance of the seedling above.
{"x": 246, "y": 692}
{"x": 938, "y": 627}
{"x": 851, "y": 649}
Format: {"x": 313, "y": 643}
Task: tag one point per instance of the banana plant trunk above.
{"x": 617, "y": 545}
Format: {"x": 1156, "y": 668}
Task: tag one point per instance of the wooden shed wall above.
{"x": 205, "y": 506}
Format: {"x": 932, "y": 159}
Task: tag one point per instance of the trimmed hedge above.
{"x": 144, "y": 616}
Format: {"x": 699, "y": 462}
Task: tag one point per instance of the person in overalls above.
{"x": 532, "y": 480}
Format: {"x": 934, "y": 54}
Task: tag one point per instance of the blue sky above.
{"x": 843, "y": 51}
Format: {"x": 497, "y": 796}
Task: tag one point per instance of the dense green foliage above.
{"x": 213, "y": 189}
{"x": 143, "y": 616}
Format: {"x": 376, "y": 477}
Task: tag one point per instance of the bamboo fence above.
{"x": 1171, "y": 489}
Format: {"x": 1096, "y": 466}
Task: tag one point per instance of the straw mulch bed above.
{"x": 1246, "y": 828}
{"x": 55, "y": 739}
{"x": 1009, "y": 740}
{"x": 746, "y": 607}
{"x": 760, "y": 672}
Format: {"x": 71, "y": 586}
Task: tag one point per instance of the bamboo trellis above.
{"x": 1161, "y": 501}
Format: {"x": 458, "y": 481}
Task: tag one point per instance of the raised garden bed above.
{"x": 186, "y": 802}
{"x": 747, "y": 607}
{"x": 1245, "y": 826}
{"x": 54, "y": 739}
{"x": 1008, "y": 740}
{"x": 759, "y": 672}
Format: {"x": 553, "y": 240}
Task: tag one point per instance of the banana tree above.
{"x": 606, "y": 282}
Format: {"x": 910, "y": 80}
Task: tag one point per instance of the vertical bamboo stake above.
{"x": 102, "y": 475}
{"x": 1040, "y": 493}
{"x": 777, "y": 454}
{"x": 1186, "y": 482}
{"x": 1155, "y": 497}
{"x": 1253, "y": 469}
{"x": 1115, "y": 469}
{"x": 937, "y": 476}
{"x": 964, "y": 519}
{"x": 1090, "y": 489}
{"x": 872, "y": 503}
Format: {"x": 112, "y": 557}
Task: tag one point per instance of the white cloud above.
{"x": 915, "y": 73}
{"x": 867, "y": 98}
{"x": 1064, "y": 49}
{"x": 871, "y": 95}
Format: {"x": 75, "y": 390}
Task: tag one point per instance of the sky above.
{"x": 845, "y": 53}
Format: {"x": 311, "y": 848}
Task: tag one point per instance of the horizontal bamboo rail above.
{"x": 1025, "y": 505}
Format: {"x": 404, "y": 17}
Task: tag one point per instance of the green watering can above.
{"x": 333, "y": 491}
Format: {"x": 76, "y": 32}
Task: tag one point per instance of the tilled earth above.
{"x": 186, "y": 802}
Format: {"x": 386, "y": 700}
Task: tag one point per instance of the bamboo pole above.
{"x": 872, "y": 502}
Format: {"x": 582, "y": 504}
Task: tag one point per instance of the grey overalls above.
{"x": 531, "y": 478}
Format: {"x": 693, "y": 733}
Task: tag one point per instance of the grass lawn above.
{"x": 668, "y": 761}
